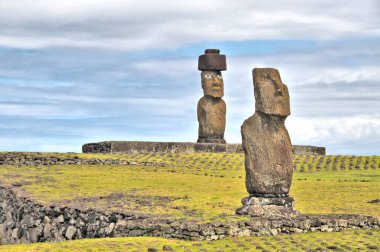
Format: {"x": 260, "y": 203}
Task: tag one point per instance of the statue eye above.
{"x": 219, "y": 76}
{"x": 207, "y": 76}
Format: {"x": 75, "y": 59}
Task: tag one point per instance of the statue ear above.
{"x": 202, "y": 81}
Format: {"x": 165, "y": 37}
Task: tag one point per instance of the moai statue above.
{"x": 211, "y": 107}
{"x": 268, "y": 149}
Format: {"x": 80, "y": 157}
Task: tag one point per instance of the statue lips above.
{"x": 216, "y": 86}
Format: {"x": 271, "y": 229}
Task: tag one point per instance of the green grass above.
{"x": 200, "y": 197}
{"x": 347, "y": 240}
{"x": 336, "y": 192}
{"x": 203, "y": 187}
{"x": 202, "y": 161}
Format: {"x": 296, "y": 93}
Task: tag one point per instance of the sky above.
{"x": 73, "y": 72}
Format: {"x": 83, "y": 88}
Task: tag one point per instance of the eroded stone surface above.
{"x": 266, "y": 141}
{"x": 211, "y": 110}
{"x": 212, "y": 84}
{"x": 267, "y": 146}
{"x": 38, "y": 159}
{"x": 212, "y": 60}
{"x": 271, "y": 95}
{"x": 179, "y": 147}
{"x": 278, "y": 207}
{"x": 212, "y": 120}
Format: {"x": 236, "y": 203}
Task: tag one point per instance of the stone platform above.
{"x": 276, "y": 207}
{"x": 180, "y": 147}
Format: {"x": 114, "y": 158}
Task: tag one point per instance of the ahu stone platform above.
{"x": 180, "y": 147}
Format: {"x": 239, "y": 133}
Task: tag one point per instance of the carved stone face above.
{"x": 272, "y": 96}
{"x": 212, "y": 83}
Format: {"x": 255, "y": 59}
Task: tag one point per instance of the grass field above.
{"x": 203, "y": 187}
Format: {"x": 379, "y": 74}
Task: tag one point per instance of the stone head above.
{"x": 212, "y": 83}
{"x": 211, "y": 63}
{"x": 271, "y": 95}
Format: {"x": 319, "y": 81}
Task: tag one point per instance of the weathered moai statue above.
{"x": 268, "y": 149}
{"x": 211, "y": 107}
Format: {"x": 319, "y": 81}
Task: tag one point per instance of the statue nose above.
{"x": 277, "y": 86}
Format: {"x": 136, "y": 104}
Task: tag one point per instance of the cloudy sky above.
{"x": 73, "y": 72}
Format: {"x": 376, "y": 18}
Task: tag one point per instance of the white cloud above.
{"x": 352, "y": 135}
{"x": 80, "y": 91}
{"x": 333, "y": 75}
{"x": 162, "y": 24}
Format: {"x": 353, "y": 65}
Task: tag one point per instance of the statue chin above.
{"x": 215, "y": 93}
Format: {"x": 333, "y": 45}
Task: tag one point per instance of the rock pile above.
{"x": 33, "y": 159}
{"x": 23, "y": 221}
{"x": 101, "y": 147}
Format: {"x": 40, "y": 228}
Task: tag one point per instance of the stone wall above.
{"x": 101, "y": 147}
{"x": 34, "y": 159}
{"x": 24, "y": 221}
{"x": 307, "y": 149}
{"x": 162, "y": 147}
{"x": 179, "y": 147}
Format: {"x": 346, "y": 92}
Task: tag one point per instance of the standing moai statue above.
{"x": 268, "y": 149}
{"x": 211, "y": 108}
